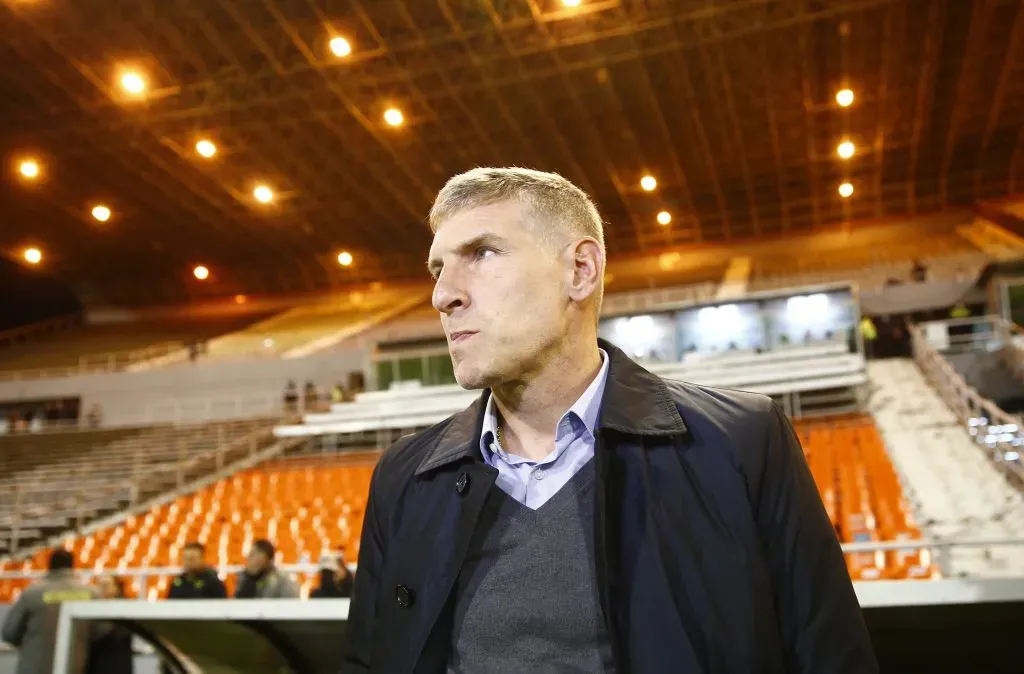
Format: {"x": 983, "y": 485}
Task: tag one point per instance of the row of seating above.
{"x": 863, "y": 496}
{"x": 120, "y": 344}
{"x": 793, "y": 369}
{"x": 307, "y": 507}
{"x": 49, "y": 481}
{"x": 312, "y": 506}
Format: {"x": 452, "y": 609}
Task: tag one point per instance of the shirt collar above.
{"x": 635, "y": 402}
{"x": 586, "y": 408}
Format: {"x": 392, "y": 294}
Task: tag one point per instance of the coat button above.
{"x": 404, "y": 596}
{"x": 462, "y": 484}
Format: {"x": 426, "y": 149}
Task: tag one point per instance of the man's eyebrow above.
{"x": 434, "y": 264}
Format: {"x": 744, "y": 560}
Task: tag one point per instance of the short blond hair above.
{"x": 556, "y": 206}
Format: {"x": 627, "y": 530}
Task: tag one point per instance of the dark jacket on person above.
{"x": 271, "y": 583}
{"x": 31, "y": 623}
{"x": 712, "y": 547}
{"x": 111, "y": 653}
{"x": 332, "y": 588}
{"x": 203, "y": 584}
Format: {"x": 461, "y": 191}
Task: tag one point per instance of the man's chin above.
{"x": 471, "y": 379}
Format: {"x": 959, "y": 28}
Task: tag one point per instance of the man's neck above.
{"x": 529, "y": 411}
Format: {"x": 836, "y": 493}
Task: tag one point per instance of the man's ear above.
{"x": 588, "y": 269}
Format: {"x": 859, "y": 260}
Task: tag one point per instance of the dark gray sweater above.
{"x": 526, "y": 599}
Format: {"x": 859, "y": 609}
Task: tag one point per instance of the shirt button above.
{"x": 538, "y": 474}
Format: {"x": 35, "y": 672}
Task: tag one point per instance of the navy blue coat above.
{"x": 713, "y": 550}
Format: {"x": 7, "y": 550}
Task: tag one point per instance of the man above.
{"x": 583, "y": 514}
{"x": 336, "y": 580}
{"x": 197, "y": 581}
{"x": 261, "y": 579}
{"x": 31, "y": 624}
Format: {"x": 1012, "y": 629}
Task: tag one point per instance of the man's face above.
{"x": 192, "y": 560}
{"x": 256, "y": 561}
{"x": 502, "y": 293}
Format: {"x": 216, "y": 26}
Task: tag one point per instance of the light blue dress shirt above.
{"x": 530, "y": 482}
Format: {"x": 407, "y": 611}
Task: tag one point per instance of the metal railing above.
{"x": 125, "y": 471}
{"x": 998, "y": 433}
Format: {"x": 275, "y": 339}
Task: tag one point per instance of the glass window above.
{"x": 814, "y": 318}
{"x": 726, "y": 328}
{"x": 410, "y": 369}
{"x": 441, "y": 370}
{"x": 385, "y": 374}
{"x": 648, "y": 337}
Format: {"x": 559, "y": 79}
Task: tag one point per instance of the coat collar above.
{"x": 636, "y": 402}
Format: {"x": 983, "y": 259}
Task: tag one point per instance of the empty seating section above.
{"x": 49, "y": 481}
{"x": 870, "y": 257}
{"x": 110, "y": 346}
{"x": 306, "y": 506}
{"x": 298, "y": 327}
{"x": 863, "y": 496}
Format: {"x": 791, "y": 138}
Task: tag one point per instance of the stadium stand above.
{"x": 870, "y": 256}
{"x": 953, "y": 485}
{"x": 50, "y": 482}
{"x": 311, "y": 506}
{"x": 305, "y": 330}
{"x": 108, "y": 347}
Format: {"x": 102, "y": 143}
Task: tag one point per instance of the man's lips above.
{"x": 460, "y": 336}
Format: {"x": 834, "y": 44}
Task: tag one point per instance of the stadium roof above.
{"x": 730, "y": 105}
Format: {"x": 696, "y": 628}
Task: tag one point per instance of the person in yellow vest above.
{"x": 959, "y": 310}
{"x": 870, "y": 334}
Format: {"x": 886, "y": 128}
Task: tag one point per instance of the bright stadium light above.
{"x": 263, "y": 194}
{"x": 206, "y": 148}
{"x": 201, "y": 273}
{"x": 33, "y": 255}
{"x": 846, "y": 190}
{"x": 345, "y": 258}
{"x": 844, "y": 97}
{"x": 571, "y": 3}
{"x": 648, "y": 183}
{"x": 394, "y": 117}
{"x": 133, "y": 82}
{"x": 846, "y": 149}
{"x": 664, "y": 218}
{"x": 29, "y": 168}
{"x": 340, "y": 47}
{"x": 101, "y": 212}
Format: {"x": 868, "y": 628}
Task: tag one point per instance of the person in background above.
{"x": 291, "y": 397}
{"x": 338, "y": 393}
{"x": 869, "y": 333}
{"x": 111, "y": 653}
{"x": 261, "y": 579}
{"x": 198, "y": 580}
{"x": 95, "y": 416}
{"x": 311, "y": 395}
{"x": 336, "y": 580}
{"x": 31, "y": 624}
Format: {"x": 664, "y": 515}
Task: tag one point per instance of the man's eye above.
{"x": 483, "y": 252}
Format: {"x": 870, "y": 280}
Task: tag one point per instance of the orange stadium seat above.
{"x": 863, "y": 496}
{"x": 306, "y": 508}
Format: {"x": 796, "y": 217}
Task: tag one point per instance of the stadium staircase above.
{"x": 953, "y": 487}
